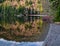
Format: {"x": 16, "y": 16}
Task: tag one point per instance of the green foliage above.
{"x": 39, "y": 2}
{"x": 57, "y": 17}
{"x": 27, "y": 3}
{"x": 55, "y": 6}
{"x": 30, "y": 2}
{"x": 8, "y": 12}
{"x": 51, "y": 0}
{"x": 1, "y": 1}
{"x": 21, "y": 9}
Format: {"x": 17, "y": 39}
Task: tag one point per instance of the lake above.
{"x": 13, "y": 43}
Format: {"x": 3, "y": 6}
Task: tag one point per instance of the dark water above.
{"x": 44, "y": 33}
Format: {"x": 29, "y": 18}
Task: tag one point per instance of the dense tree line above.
{"x": 55, "y": 6}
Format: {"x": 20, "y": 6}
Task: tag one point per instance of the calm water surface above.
{"x": 13, "y": 43}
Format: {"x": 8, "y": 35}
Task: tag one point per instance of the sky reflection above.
{"x": 13, "y": 43}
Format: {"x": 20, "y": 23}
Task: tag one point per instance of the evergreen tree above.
{"x": 55, "y": 6}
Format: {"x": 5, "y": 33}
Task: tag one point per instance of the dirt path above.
{"x": 53, "y": 37}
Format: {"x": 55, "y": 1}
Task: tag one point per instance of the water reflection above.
{"x": 13, "y": 43}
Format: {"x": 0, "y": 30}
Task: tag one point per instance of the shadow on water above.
{"x": 45, "y": 32}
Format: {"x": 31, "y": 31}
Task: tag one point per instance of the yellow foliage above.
{"x": 41, "y": 23}
{"x": 41, "y": 8}
{"x": 7, "y": 3}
